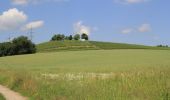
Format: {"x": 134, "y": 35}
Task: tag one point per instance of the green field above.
{"x": 127, "y": 74}
{"x": 73, "y": 45}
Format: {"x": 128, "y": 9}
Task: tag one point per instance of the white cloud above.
{"x": 24, "y": 2}
{"x": 144, "y": 28}
{"x": 33, "y": 25}
{"x": 80, "y": 28}
{"x": 141, "y": 29}
{"x": 127, "y": 31}
{"x": 130, "y": 1}
{"x": 12, "y": 19}
{"x": 19, "y": 2}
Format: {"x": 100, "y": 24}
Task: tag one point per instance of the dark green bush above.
{"x": 20, "y": 45}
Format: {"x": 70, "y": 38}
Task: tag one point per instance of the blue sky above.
{"x": 128, "y": 21}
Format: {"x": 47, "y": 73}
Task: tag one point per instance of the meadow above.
{"x": 89, "y": 75}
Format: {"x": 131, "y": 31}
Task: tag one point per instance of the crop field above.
{"x": 89, "y": 75}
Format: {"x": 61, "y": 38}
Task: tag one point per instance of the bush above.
{"x": 20, "y": 45}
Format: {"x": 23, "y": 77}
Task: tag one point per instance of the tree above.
{"x": 70, "y": 37}
{"x": 77, "y": 37}
{"x": 58, "y": 37}
{"x": 6, "y": 48}
{"x": 66, "y": 38}
{"x": 22, "y": 45}
{"x": 84, "y": 36}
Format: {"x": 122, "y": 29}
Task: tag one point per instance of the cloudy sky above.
{"x": 128, "y": 21}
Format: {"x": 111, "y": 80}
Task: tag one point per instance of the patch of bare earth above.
{"x": 11, "y": 95}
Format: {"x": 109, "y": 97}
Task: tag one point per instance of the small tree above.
{"x": 66, "y": 38}
{"x": 70, "y": 37}
{"x": 84, "y": 36}
{"x": 58, "y": 37}
{"x": 77, "y": 37}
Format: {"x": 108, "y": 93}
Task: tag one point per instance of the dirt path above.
{"x": 11, "y": 95}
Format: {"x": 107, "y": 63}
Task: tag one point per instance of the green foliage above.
{"x": 6, "y": 49}
{"x": 58, "y": 37}
{"x": 164, "y": 46}
{"x": 84, "y": 36}
{"x": 76, "y": 37}
{"x": 20, "y": 45}
{"x": 70, "y": 37}
{"x": 1, "y": 97}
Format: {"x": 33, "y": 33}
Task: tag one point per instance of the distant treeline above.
{"x": 61, "y": 37}
{"x": 20, "y": 45}
{"x": 166, "y": 46}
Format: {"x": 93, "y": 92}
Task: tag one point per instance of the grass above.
{"x": 1, "y": 97}
{"x": 66, "y": 45}
{"x": 89, "y": 75}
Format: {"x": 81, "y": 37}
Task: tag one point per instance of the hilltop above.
{"x": 73, "y": 45}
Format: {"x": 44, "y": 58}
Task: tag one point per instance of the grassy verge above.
{"x": 1, "y": 97}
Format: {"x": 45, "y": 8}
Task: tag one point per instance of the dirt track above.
{"x": 10, "y": 95}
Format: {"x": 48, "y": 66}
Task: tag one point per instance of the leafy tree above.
{"x": 6, "y": 48}
{"x": 20, "y": 45}
{"x": 70, "y": 37}
{"x": 58, "y": 37}
{"x": 77, "y": 37}
{"x": 84, "y": 36}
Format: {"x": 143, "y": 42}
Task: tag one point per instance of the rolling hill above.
{"x": 53, "y": 46}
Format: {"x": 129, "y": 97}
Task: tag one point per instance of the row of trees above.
{"x": 61, "y": 37}
{"x": 166, "y": 46}
{"x": 20, "y": 45}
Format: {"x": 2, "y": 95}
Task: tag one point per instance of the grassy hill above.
{"x": 87, "y": 45}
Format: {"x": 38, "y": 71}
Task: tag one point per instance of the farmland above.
{"x": 55, "y": 46}
{"x": 126, "y": 74}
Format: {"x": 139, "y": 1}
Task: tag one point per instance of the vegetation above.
{"x": 20, "y": 45}
{"x": 77, "y": 37}
{"x": 1, "y": 97}
{"x": 54, "y": 46}
{"x": 89, "y": 75}
{"x": 84, "y": 36}
{"x": 166, "y": 46}
{"x": 58, "y": 37}
{"x": 61, "y": 37}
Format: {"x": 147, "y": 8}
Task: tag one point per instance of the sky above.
{"x": 144, "y": 22}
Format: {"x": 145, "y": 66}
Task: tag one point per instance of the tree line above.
{"x": 20, "y": 45}
{"x": 23, "y": 45}
{"x": 61, "y": 37}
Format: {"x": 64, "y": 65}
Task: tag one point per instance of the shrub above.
{"x": 20, "y": 45}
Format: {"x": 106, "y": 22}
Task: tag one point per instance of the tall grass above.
{"x": 1, "y": 97}
{"x": 90, "y": 75}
